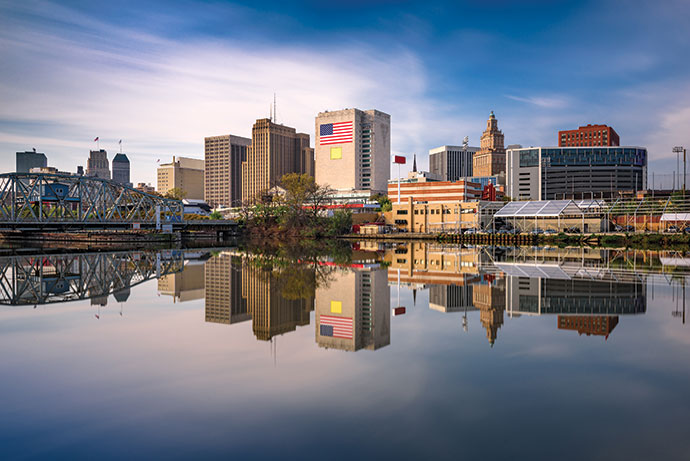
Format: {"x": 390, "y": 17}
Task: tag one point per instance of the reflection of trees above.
{"x": 299, "y": 269}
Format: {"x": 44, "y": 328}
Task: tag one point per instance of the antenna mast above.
{"x": 275, "y": 116}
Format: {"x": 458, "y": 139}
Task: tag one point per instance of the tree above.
{"x": 175, "y": 193}
{"x": 215, "y": 215}
{"x": 383, "y": 201}
{"x": 303, "y": 197}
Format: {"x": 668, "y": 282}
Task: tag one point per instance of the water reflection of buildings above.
{"x": 589, "y": 325}
{"x": 272, "y": 309}
{"x": 187, "y": 285}
{"x": 581, "y": 287}
{"x": 237, "y": 290}
{"x": 489, "y": 297}
{"x": 224, "y": 301}
{"x": 353, "y": 310}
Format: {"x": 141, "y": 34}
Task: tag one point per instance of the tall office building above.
{"x": 223, "y": 157}
{"x": 589, "y": 135}
{"x": 452, "y": 162}
{"x": 491, "y": 158}
{"x": 97, "y": 165}
{"x": 182, "y": 173}
{"x": 30, "y": 159}
{"x": 353, "y": 149}
{"x": 121, "y": 169}
{"x": 276, "y": 150}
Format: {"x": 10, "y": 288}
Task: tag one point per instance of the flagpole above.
{"x": 398, "y": 184}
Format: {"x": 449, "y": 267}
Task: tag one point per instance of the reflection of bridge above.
{"x": 46, "y": 279}
{"x": 38, "y": 200}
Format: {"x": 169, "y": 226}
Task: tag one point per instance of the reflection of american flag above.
{"x": 337, "y": 327}
{"x": 335, "y": 133}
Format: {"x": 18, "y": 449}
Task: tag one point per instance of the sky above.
{"x": 162, "y": 75}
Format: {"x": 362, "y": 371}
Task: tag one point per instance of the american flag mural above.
{"x": 335, "y": 133}
{"x": 337, "y": 327}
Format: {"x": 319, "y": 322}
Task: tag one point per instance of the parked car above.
{"x": 470, "y": 231}
{"x": 550, "y": 232}
{"x": 672, "y": 229}
{"x": 686, "y": 230}
{"x": 537, "y": 232}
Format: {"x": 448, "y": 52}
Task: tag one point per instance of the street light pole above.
{"x": 678, "y": 150}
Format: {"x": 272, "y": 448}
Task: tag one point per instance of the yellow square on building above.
{"x": 336, "y": 306}
{"x": 336, "y": 153}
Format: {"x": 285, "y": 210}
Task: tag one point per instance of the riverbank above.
{"x": 646, "y": 240}
{"x": 113, "y": 239}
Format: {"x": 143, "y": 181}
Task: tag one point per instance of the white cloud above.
{"x": 163, "y": 97}
{"x": 547, "y": 102}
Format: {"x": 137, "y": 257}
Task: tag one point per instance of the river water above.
{"x": 412, "y": 351}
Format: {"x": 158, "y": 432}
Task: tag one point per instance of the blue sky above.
{"x": 162, "y": 75}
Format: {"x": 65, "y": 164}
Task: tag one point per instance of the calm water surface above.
{"x": 414, "y": 351}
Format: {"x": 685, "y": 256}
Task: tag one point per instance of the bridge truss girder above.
{"x": 46, "y": 197}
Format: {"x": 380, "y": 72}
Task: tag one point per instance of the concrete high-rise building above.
{"x": 97, "y": 165}
{"x": 30, "y": 159}
{"x": 491, "y": 158}
{"x": 353, "y": 310}
{"x": 353, "y": 149}
{"x": 276, "y": 150}
{"x": 182, "y": 173}
{"x": 589, "y": 135}
{"x": 223, "y": 157}
{"x": 452, "y": 162}
{"x": 121, "y": 169}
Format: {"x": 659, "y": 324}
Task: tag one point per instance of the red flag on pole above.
{"x": 399, "y": 159}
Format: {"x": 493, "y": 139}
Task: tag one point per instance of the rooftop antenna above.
{"x": 275, "y": 115}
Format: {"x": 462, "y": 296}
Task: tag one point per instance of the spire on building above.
{"x": 414, "y": 164}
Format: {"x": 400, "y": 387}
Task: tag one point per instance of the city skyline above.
{"x": 145, "y": 81}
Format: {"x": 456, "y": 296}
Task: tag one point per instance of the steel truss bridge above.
{"x": 57, "y": 278}
{"x": 44, "y": 200}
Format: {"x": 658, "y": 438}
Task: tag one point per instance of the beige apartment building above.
{"x": 276, "y": 150}
{"x": 352, "y": 150}
{"x": 491, "y": 158}
{"x": 182, "y": 173}
{"x": 223, "y": 157}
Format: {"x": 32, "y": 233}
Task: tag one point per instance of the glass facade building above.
{"x": 549, "y": 173}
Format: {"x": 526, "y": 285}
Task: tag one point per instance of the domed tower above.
{"x": 491, "y": 158}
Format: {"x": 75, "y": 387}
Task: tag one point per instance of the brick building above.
{"x": 590, "y": 135}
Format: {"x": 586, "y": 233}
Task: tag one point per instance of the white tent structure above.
{"x": 542, "y": 213}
